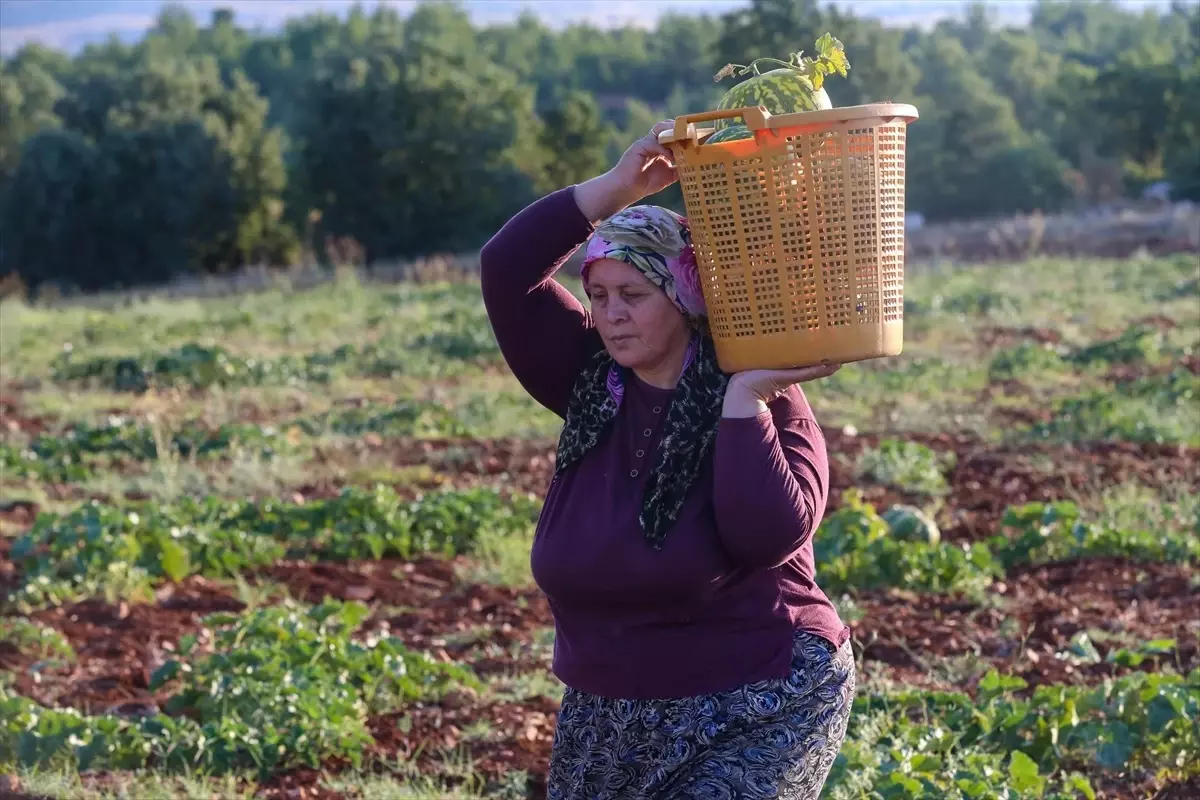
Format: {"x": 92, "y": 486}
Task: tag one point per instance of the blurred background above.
{"x": 143, "y": 141}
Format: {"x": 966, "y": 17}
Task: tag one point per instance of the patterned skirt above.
{"x": 776, "y": 738}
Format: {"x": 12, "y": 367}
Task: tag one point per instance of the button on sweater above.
{"x": 717, "y": 606}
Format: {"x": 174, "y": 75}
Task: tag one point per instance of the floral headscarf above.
{"x": 658, "y": 243}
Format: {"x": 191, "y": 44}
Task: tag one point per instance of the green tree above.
{"x": 51, "y": 234}
{"x": 416, "y": 148}
{"x": 964, "y": 123}
{"x": 575, "y": 137}
{"x": 1141, "y": 104}
{"x": 28, "y": 96}
{"x": 1025, "y": 178}
{"x": 1024, "y": 73}
{"x": 182, "y": 174}
{"x": 1181, "y": 156}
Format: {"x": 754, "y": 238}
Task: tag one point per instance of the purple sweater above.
{"x": 717, "y": 606}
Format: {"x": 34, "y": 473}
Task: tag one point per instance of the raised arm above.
{"x": 771, "y": 470}
{"x": 545, "y": 334}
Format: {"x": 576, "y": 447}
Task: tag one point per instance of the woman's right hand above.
{"x": 644, "y": 169}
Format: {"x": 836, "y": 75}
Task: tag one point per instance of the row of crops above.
{"x": 1159, "y": 409}
{"x": 199, "y": 366}
{"x": 1157, "y": 402}
{"x": 100, "y": 549}
{"x": 285, "y": 685}
{"x": 86, "y": 448}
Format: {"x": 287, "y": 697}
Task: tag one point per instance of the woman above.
{"x": 675, "y": 543}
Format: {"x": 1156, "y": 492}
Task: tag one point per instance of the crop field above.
{"x": 276, "y": 545}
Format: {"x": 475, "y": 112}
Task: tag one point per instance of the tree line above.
{"x": 204, "y": 148}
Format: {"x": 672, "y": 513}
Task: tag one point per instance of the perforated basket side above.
{"x": 800, "y": 240}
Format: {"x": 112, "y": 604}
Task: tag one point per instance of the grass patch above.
{"x": 502, "y": 557}
{"x": 909, "y": 466}
{"x": 1082, "y": 297}
{"x": 65, "y": 783}
{"x": 518, "y": 688}
{"x": 1171, "y": 509}
{"x": 1158, "y": 410}
{"x": 1028, "y": 361}
{"x": 32, "y": 638}
{"x": 901, "y": 394}
{"x": 242, "y": 474}
{"x": 368, "y": 786}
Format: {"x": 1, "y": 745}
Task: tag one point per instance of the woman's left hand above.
{"x": 749, "y": 392}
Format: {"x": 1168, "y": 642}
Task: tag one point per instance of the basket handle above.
{"x": 756, "y": 118}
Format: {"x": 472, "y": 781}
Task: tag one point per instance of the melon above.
{"x": 911, "y": 524}
{"x": 730, "y": 134}
{"x": 795, "y": 85}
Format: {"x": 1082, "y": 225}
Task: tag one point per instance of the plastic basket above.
{"x": 799, "y": 233}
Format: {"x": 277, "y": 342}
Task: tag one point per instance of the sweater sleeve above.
{"x": 771, "y": 482}
{"x": 544, "y": 332}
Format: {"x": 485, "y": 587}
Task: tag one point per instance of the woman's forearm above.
{"x": 600, "y": 197}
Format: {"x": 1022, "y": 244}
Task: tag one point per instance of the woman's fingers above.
{"x": 659, "y": 127}
{"x": 786, "y": 377}
{"x": 780, "y": 379}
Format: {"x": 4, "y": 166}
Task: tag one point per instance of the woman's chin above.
{"x": 624, "y": 353}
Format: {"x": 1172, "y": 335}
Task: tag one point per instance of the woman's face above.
{"x": 641, "y": 328}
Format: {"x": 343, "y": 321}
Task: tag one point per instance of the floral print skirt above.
{"x": 776, "y": 738}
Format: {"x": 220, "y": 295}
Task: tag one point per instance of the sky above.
{"x": 70, "y": 24}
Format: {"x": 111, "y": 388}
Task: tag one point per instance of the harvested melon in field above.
{"x": 911, "y": 524}
{"x": 796, "y": 85}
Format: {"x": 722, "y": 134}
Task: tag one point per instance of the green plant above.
{"x": 1158, "y": 409}
{"x": 854, "y": 551}
{"x": 854, "y": 548}
{"x": 1137, "y": 344}
{"x": 22, "y": 462}
{"x": 287, "y": 686}
{"x": 284, "y": 686}
{"x": 406, "y": 418}
{"x": 909, "y": 523}
{"x": 72, "y": 455}
{"x": 1025, "y": 360}
{"x": 1007, "y": 742}
{"x": 909, "y": 466}
{"x": 119, "y": 552}
{"x": 1036, "y": 533}
{"x": 28, "y": 636}
{"x": 198, "y": 367}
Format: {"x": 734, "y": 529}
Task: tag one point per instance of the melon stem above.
{"x": 743, "y": 69}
